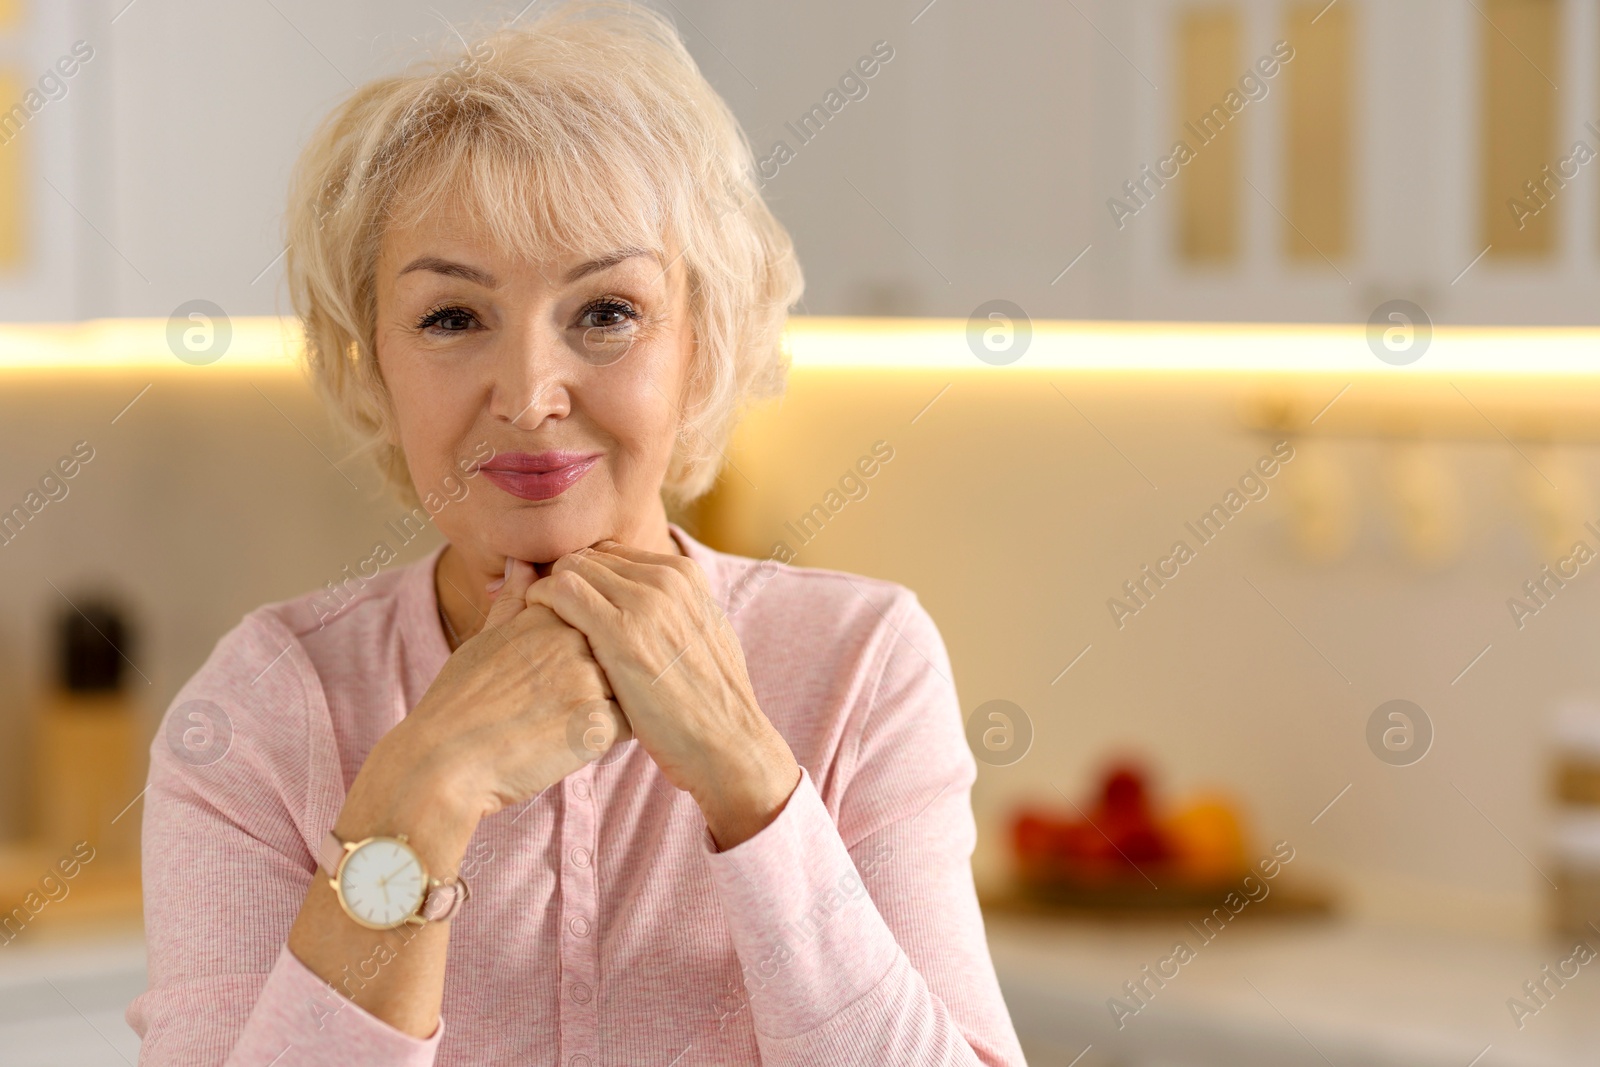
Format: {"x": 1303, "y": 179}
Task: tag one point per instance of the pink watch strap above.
{"x": 330, "y": 854}
{"x": 442, "y": 900}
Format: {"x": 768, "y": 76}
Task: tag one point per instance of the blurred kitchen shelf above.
{"x": 1288, "y": 994}
{"x": 1140, "y": 903}
{"x": 105, "y": 895}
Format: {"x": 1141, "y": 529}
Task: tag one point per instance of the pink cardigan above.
{"x": 603, "y": 928}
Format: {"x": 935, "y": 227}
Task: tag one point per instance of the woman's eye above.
{"x": 606, "y": 315}
{"x": 448, "y": 319}
{"x": 609, "y": 329}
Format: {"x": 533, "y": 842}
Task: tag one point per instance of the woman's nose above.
{"x": 531, "y": 379}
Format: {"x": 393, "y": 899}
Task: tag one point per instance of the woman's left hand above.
{"x": 678, "y": 671}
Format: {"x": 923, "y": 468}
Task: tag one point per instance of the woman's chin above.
{"x": 544, "y": 553}
{"x": 550, "y": 540}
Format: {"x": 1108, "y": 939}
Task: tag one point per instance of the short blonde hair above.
{"x": 588, "y": 129}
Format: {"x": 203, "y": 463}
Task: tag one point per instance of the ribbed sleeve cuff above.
{"x": 810, "y": 938}
{"x": 297, "y": 1010}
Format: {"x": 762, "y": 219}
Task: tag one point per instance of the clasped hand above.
{"x": 614, "y": 642}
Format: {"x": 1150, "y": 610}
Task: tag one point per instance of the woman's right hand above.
{"x": 519, "y": 706}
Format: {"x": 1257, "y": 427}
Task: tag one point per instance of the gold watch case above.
{"x": 414, "y": 917}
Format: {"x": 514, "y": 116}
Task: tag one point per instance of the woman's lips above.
{"x": 540, "y": 477}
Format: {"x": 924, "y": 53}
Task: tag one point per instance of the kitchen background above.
{"x": 1426, "y": 159}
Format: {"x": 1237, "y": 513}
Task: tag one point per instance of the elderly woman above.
{"x": 575, "y": 788}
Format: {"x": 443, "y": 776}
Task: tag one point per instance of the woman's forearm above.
{"x": 494, "y": 728}
{"x": 396, "y": 975}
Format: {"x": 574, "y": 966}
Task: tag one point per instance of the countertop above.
{"x": 1286, "y": 992}
{"x": 1280, "y": 992}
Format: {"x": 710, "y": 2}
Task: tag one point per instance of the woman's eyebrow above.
{"x": 610, "y": 259}
{"x": 451, "y": 268}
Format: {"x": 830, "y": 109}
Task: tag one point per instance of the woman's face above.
{"x": 568, "y": 373}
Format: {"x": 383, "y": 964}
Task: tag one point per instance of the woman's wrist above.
{"x": 749, "y": 794}
{"x": 420, "y": 798}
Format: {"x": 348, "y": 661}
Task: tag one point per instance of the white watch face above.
{"x": 381, "y": 882}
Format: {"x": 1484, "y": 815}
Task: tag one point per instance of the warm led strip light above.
{"x": 270, "y": 343}
{"x": 1197, "y": 348}
{"x": 256, "y": 344}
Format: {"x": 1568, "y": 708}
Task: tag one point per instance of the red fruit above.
{"x": 1124, "y": 789}
{"x": 1105, "y": 844}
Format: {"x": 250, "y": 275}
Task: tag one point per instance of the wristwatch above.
{"x": 381, "y": 883}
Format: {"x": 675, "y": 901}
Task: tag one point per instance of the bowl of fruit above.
{"x": 1123, "y": 848}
